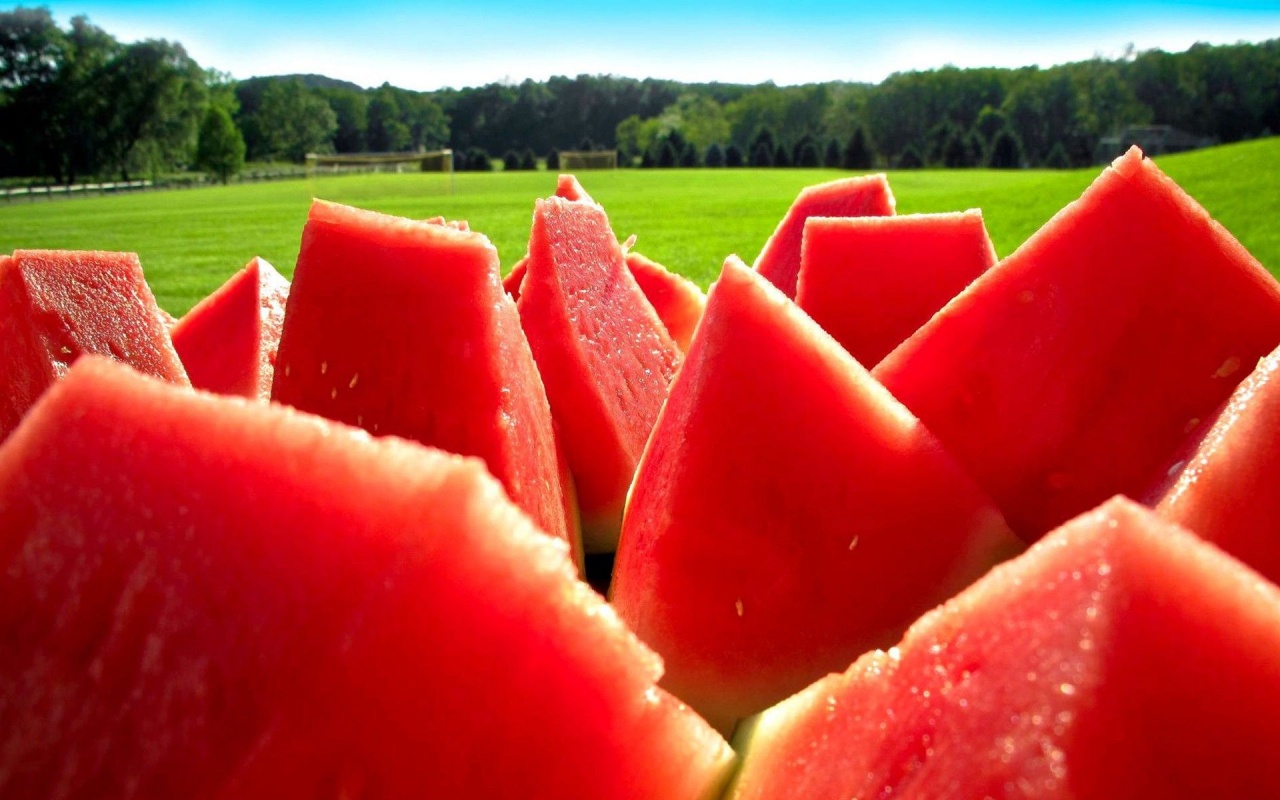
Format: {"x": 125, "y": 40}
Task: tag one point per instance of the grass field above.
{"x": 190, "y": 241}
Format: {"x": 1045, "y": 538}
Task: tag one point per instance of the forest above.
{"x": 76, "y": 103}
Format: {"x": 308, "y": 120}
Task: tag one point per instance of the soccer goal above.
{"x": 578, "y": 160}
{"x": 415, "y": 161}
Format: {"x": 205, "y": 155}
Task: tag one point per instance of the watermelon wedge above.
{"x": 402, "y": 328}
{"x": 206, "y": 597}
{"x": 1225, "y": 491}
{"x": 56, "y": 305}
{"x": 567, "y": 187}
{"x": 228, "y": 342}
{"x": 677, "y": 300}
{"x": 788, "y": 513}
{"x": 863, "y": 196}
{"x": 1076, "y": 368}
{"x": 1119, "y": 657}
{"x": 873, "y": 281}
{"x": 602, "y": 351}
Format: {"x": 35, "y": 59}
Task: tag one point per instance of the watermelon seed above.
{"x": 854, "y": 543}
{"x": 1176, "y": 468}
{"x": 324, "y": 367}
{"x": 1067, "y": 689}
{"x": 333, "y": 394}
{"x": 1229, "y": 367}
{"x": 287, "y": 370}
{"x": 738, "y": 605}
{"x": 1190, "y": 426}
{"x": 354, "y": 380}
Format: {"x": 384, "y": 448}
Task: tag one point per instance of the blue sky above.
{"x": 428, "y": 45}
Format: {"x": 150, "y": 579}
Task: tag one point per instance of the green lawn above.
{"x": 192, "y": 240}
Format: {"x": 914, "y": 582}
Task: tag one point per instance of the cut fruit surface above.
{"x": 863, "y": 196}
{"x": 56, "y": 305}
{"x": 234, "y": 599}
{"x": 1225, "y": 490}
{"x": 1076, "y": 368}
{"x": 402, "y": 328}
{"x": 788, "y": 513}
{"x": 228, "y": 342}
{"x": 1119, "y": 657}
{"x": 605, "y": 356}
{"x": 677, "y": 300}
{"x": 871, "y": 282}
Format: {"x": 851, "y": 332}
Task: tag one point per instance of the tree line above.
{"x": 77, "y": 103}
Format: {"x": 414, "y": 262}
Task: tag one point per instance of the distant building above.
{"x": 1153, "y": 139}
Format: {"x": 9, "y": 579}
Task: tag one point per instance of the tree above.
{"x": 1005, "y": 151}
{"x": 733, "y": 156}
{"x": 714, "y": 156}
{"x": 857, "y": 155}
{"x": 689, "y": 155}
{"x": 510, "y": 161}
{"x": 957, "y": 152}
{"x": 831, "y": 158}
{"x": 806, "y": 153}
{"x": 910, "y": 158}
{"x": 220, "y": 147}
{"x": 294, "y": 121}
{"x": 477, "y": 160}
{"x": 666, "y": 154}
{"x": 386, "y": 132}
{"x": 1057, "y": 157}
{"x": 781, "y": 158}
{"x": 528, "y": 161}
{"x": 762, "y": 155}
{"x": 553, "y": 160}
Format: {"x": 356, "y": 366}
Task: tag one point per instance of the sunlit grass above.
{"x": 192, "y": 240}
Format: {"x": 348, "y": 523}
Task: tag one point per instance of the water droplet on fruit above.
{"x": 354, "y": 380}
{"x": 1068, "y": 689}
{"x": 1229, "y": 367}
{"x": 333, "y": 394}
{"x": 738, "y": 605}
{"x": 287, "y": 370}
{"x": 324, "y": 367}
{"x": 895, "y": 654}
{"x": 853, "y": 543}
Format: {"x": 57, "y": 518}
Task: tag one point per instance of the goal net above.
{"x": 415, "y": 161}
{"x": 576, "y": 160}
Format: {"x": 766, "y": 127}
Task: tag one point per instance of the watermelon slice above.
{"x": 677, "y": 300}
{"x": 1225, "y": 491}
{"x": 873, "y": 281}
{"x": 602, "y": 351}
{"x": 788, "y": 513}
{"x": 56, "y": 305}
{"x": 402, "y": 328}
{"x": 567, "y": 187}
{"x": 863, "y": 196}
{"x": 228, "y": 342}
{"x": 204, "y": 597}
{"x": 1075, "y": 368}
{"x": 1120, "y": 657}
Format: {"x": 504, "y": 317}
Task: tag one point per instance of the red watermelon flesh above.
{"x": 228, "y": 342}
{"x": 873, "y": 281}
{"x": 1076, "y": 367}
{"x": 1225, "y": 491}
{"x": 602, "y": 351}
{"x": 567, "y": 187}
{"x": 677, "y": 300}
{"x": 511, "y": 283}
{"x": 788, "y": 514}
{"x": 1119, "y": 657}
{"x": 233, "y": 599}
{"x": 863, "y": 196}
{"x": 56, "y": 305}
{"x": 402, "y": 328}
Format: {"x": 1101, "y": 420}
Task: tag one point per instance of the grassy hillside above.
{"x": 190, "y": 241}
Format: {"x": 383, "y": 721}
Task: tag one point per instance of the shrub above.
{"x": 733, "y": 156}
{"x": 714, "y": 156}
{"x": 857, "y": 153}
{"x": 510, "y": 161}
{"x": 553, "y": 159}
